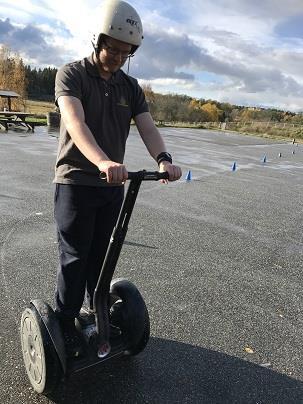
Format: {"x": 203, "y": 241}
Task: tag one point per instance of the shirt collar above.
{"x": 92, "y": 69}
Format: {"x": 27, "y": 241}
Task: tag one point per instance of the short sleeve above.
{"x": 68, "y": 82}
{"x": 140, "y": 104}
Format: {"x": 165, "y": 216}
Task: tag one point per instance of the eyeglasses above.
{"x": 115, "y": 52}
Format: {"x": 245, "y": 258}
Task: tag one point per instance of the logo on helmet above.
{"x": 133, "y": 23}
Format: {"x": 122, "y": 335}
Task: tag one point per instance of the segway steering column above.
{"x": 101, "y": 294}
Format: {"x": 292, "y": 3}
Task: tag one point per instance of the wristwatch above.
{"x": 164, "y": 156}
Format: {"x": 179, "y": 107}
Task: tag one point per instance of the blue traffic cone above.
{"x": 234, "y": 166}
{"x": 188, "y": 176}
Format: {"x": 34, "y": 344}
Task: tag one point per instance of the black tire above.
{"x": 140, "y": 346}
{"x": 130, "y": 314}
{"x": 40, "y": 357}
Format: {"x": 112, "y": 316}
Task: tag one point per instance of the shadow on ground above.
{"x": 173, "y": 372}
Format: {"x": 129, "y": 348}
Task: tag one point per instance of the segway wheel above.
{"x": 130, "y": 314}
{"x": 40, "y": 358}
{"x": 135, "y": 349}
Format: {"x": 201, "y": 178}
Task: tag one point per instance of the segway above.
{"x": 118, "y": 326}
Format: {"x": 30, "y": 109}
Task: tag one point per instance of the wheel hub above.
{"x": 31, "y": 348}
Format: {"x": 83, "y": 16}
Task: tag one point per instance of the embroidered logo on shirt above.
{"x": 122, "y": 102}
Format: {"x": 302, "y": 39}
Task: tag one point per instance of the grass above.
{"x": 272, "y": 132}
{"x": 36, "y": 121}
{"x": 40, "y": 109}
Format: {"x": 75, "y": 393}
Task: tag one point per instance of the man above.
{"x": 97, "y": 101}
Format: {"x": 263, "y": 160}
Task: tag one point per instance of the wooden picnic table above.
{"x": 15, "y": 119}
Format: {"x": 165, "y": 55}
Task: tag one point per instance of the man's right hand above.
{"x": 116, "y": 173}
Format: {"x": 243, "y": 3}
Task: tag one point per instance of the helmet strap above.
{"x": 128, "y": 63}
{"x": 95, "y": 48}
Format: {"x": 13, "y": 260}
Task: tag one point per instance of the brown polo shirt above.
{"x": 108, "y": 106}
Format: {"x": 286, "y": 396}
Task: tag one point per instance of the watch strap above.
{"x": 164, "y": 156}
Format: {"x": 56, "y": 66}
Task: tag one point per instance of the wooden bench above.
{"x": 15, "y": 119}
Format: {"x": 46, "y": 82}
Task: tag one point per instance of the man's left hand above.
{"x": 174, "y": 172}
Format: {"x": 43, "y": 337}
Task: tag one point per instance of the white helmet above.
{"x": 120, "y": 21}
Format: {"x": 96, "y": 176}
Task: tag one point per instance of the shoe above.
{"x": 86, "y": 311}
{"x": 87, "y": 316}
{"x": 72, "y": 339}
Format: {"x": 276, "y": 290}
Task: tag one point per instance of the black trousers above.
{"x": 85, "y": 217}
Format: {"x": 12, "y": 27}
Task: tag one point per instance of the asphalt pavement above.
{"x": 218, "y": 260}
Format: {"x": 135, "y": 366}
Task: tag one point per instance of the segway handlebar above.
{"x": 142, "y": 175}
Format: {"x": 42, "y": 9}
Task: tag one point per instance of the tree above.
{"x": 41, "y": 83}
{"x": 195, "y": 111}
{"x": 234, "y": 115}
{"x": 5, "y": 65}
{"x": 150, "y": 97}
{"x": 12, "y": 77}
{"x": 212, "y": 110}
{"x": 246, "y": 115}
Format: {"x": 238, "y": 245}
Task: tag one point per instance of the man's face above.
{"x": 113, "y": 54}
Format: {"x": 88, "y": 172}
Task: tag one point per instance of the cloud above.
{"x": 268, "y": 9}
{"x": 31, "y": 42}
{"x": 231, "y": 50}
{"x": 5, "y": 28}
{"x": 166, "y": 55}
{"x": 291, "y": 27}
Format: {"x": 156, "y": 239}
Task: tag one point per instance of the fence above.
{"x": 271, "y": 129}
{"x": 252, "y": 124}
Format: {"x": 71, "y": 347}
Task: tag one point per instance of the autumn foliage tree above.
{"x": 212, "y": 110}
{"x": 12, "y": 77}
{"x": 150, "y": 96}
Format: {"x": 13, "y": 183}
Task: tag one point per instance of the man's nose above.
{"x": 119, "y": 56}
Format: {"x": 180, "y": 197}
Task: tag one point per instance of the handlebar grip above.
{"x": 141, "y": 175}
{"x": 147, "y": 175}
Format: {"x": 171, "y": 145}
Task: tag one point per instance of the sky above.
{"x": 245, "y": 52}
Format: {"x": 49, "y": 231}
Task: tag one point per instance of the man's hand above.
{"x": 116, "y": 173}
{"x": 174, "y": 172}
